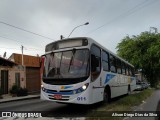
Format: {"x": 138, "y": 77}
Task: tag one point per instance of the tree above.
{"x": 143, "y": 51}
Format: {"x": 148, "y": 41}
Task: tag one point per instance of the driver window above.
{"x": 95, "y": 62}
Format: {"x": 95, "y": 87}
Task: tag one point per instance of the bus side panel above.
{"x": 114, "y": 85}
{"x": 97, "y": 90}
{"x": 133, "y": 83}
{"x": 118, "y": 84}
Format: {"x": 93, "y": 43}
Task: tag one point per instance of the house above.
{"x": 32, "y": 70}
{"x": 11, "y": 73}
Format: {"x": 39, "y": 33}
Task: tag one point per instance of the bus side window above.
{"x": 95, "y": 62}
{"x": 132, "y": 70}
{"x": 127, "y": 70}
{"x": 105, "y": 62}
{"x": 112, "y": 64}
{"x": 119, "y": 66}
{"x": 123, "y": 68}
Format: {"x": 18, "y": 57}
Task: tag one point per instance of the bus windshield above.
{"x": 67, "y": 64}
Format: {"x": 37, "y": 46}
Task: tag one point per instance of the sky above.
{"x": 35, "y": 23}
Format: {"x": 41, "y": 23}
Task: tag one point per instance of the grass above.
{"x": 125, "y": 103}
{"x": 158, "y": 85}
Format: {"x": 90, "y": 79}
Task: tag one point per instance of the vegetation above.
{"x": 22, "y": 92}
{"x": 18, "y": 91}
{"x": 143, "y": 52}
{"x": 14, "y": 89}
{"x": 126, "y": 103}
{"x": 158, "y": 86}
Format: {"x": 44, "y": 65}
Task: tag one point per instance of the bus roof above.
{"x": 109, "y": 51}
{"x": 90, "y": 42}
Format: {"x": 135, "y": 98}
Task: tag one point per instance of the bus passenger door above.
{"x": 96, "y": 74}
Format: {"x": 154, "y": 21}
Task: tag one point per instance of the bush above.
{"x": 22, "y": 92}
{"x": 14, "y": 89}
{"x": 19, "y": 91}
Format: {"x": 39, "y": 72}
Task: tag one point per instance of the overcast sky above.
{"x": 109, "y": 21}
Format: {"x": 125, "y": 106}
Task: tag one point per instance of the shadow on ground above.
{"x": 74, "y": 110}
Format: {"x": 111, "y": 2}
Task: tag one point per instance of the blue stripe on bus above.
{"x": 109, "y": 77}
{"x": 62, "y": 93}
{"x": 76, "y": 91}
{"x": 132, "y": 78}
{"x": 66, "y": 87}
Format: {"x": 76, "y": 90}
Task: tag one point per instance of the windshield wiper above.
{"x": 73, "y": 53}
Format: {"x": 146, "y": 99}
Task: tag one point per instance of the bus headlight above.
{"x": 84, "y": 87}
{"x": 81, "y": 89}
{"x": 45, "y": 90}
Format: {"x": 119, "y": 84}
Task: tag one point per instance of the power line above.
{"x": 34, "y": 49}
{"x": 127, "y": 13}
{"x": 20, "y": 43}
{"x": 28, "y": 49}
{"x": 10, "y": 39}
{"x": 9, "y": 48}
{"x": 25, "y": 30}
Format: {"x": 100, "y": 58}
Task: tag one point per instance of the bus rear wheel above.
{"x": 129, "y": 90}
{"x": 105, "y": 96}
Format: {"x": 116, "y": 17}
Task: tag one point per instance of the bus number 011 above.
{"x": 81, "y": 98}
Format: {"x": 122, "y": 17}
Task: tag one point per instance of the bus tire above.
{"x": 106, "y": 96}
{"x": 129, "y": 90}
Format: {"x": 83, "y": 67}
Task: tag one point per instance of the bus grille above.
{"x": 62, "y": 92}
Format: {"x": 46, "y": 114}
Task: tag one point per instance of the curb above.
{"x": 19, "y": 99}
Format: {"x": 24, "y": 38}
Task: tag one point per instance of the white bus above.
{"x": 81, "y": 71}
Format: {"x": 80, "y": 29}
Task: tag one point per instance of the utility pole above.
{"x": 61, "y": 37}
{"x": 22, "y": 53}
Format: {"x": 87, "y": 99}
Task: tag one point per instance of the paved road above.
{"x": 52, "y": 108}
{"x": 61, "y": 110}
{"x": 151, "y": 104}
